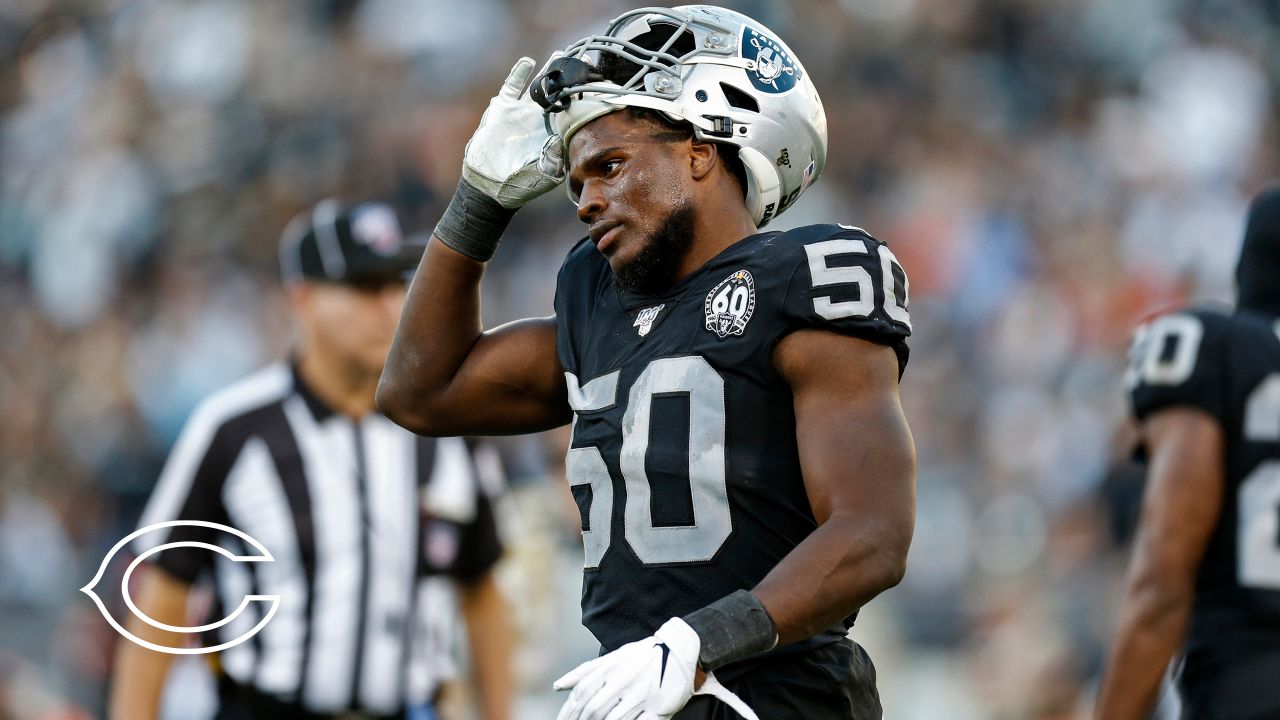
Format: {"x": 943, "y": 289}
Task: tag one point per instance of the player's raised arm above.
{"x": 445, "y": 375}
{"x": 858, "y": 460}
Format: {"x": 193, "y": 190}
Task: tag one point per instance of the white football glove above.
{"x": 511, "y": 157}
{"x": 650, "y": 679}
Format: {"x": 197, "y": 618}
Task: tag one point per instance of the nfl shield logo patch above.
{"x": 730, "y": 304}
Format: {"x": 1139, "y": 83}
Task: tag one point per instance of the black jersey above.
{"x": 1229, "y": 367}
{"x": 684, "y": 461}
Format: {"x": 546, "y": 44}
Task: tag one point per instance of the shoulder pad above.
{"x": 1177, "y": 358}
{"x": 846, "y": 281}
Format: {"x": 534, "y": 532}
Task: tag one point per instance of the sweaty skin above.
{"x": 447, "y": 376}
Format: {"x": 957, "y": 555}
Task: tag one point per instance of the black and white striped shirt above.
{"x": 358, "y": 515}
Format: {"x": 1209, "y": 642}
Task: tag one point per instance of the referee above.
{"x": 360, "y": 516}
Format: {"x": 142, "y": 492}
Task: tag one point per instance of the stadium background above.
{"x": 1047, "y": 170}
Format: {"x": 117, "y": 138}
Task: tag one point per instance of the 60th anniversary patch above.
{"x": 729, "y": 305}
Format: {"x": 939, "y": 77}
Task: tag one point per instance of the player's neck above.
{"x": 340, "y": 386}
{"x": 714, "y": 232}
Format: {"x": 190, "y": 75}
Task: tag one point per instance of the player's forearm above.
{"x": 840, "y": 567}
{"x": 1153, "y": 621}
{"x": 489, "y": 631}
{"x": 438, "y": 327}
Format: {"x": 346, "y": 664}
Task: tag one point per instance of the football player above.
{"x": 739, "y": 454}
{"x": 1205, "y": 574}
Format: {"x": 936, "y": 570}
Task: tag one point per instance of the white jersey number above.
{"x": 586, "y": 466}
{"x": 1164, "y": 352}
{"x": 1258, "y": 527}
{"x": 823, "y": 274}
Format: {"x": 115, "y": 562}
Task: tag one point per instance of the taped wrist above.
{"x": 732, "y": 628}
{"x": 473, "y": 223}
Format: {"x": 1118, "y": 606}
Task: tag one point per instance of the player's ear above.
{"x": 702, "y": 158}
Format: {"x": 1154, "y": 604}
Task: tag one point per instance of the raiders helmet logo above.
{"x": 769, "y": 66}
{"x": 729, "y": 305}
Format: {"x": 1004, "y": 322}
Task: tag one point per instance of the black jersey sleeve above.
{"x": 481, "y": 540}
{"x": 846, "y": 281}
{"x": 480, "y": 548}
{"x": 460, "y": 535}
{"x": 574, "y": 283}
{"x": 1179, "y": 359}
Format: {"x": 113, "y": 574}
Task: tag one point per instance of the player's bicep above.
{"x": 856, "y": 451}
{"x": 512, "y": 382}
{"x": 1184, "y": 495}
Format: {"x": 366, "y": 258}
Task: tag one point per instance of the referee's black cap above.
{"x": 356, "y": 245}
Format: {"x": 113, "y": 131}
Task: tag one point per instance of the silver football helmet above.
{"x": 728, "y": 76}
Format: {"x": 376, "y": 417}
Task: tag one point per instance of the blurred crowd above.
{"x": 1048, "y": 171}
